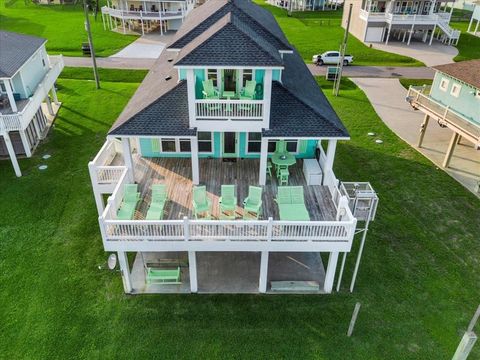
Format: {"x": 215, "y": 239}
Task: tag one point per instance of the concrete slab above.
{"x": 228, "y": 272}
{"x": 148, "y": 46}
{"x": 405, "y": 122}
{"x": 430, "y": 55}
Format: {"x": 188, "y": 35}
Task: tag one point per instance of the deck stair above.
{"x": 450, "y": 35}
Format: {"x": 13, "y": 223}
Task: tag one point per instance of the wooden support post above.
{"x": 125, "y": 271}
{"x": 340, "y": 275}
{"x": 195, "y": 163}
{"x": 330, "y": 273}
{"x": 262, "y": 280}
{"x": 465, "y": 347}
{"x": 433, "y": 33}
{"x": 262, "y": 176}
{"x": 49, "y": 105}
{"x": 451, "y": 148}
{"x": 192, "y": 268}
{"x": 354, "y": 319}
{"x": 423, "y": 129}
{"x": 11, "y": 153}
{"x": 25, "y": 143}
{"x": 54, "y": 95}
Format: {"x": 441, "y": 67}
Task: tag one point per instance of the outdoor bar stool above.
{"x": 283, "y": 178}
{"x": 279, "y": 168}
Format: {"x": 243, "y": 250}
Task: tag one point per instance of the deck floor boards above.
{"x": 176, "y": 174}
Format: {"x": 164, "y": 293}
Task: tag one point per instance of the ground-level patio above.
{"x": 233, "y": 272}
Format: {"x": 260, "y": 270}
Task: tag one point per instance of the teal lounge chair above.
{"x": 253, "y": 203}
{"x": 129, "y": 203}
{"x": 228, "y": 202}
{"x": 291, "y": 203}
{"x": 159, "y": 198}
{"x": 209, "y": 91}
{"x": 248, "y": 92}
{"x": 201, "y": 203}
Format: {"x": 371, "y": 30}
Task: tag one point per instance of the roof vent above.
{"x": 170, "y": 60}
{"x": 168, "y": 78}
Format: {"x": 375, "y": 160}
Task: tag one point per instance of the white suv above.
{"x": 331, "y": 57}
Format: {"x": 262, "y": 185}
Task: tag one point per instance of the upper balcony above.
{"x": 399, "y": 17}
{"x": 11, "y": 120}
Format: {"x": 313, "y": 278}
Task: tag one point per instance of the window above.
{"x": 2, "y": 87}
{"x": 455, "y": 90}
{"x": 185, "y": 145}
{"x": 254, "y": 142}
{"x": 168, "y": 145}
{"x": 205, "y": 142}
{"x": 247, "y": 75}
{"x": 43, "y": 62}
{"x": 444, "y": 84}
{"x": 292, "y": 146}
{"x": 212, "y": 74}
{"x": 477, "y": 94}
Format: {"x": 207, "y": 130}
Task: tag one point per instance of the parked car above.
{"x": 331, "y": 57}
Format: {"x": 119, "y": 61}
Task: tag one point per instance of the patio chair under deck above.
{"x": 228, "y": 202}
{"x": 201, "y": 203}
{"x": 252, "y": 205}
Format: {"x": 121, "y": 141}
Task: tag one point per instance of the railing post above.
{"x": 269, "y": 229}
{"x": 186, "y": 228}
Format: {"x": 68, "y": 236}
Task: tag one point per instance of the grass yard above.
{"x": 469, "y": 45}
{"x": 315, "y": 32}
{"x": 406, "y": 83}
{"x": 418, "y": 283}
{"x": 62, "y": 25}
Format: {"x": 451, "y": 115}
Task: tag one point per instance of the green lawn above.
{"x": 406, "y": 83}
{"x": 315, "y": 32}
{"x": 418, "y": 283}
{"x": 469, "y": 45}
{"x": 62, "y": 25}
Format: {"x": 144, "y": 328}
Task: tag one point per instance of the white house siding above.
{"x": 32, "y": 73}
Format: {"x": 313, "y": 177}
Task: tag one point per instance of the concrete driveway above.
{"x": 399, "y": 116}
{"x": 430, "y": 55}
{"x": 148, "y": 46}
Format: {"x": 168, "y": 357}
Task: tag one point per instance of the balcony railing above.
{"x": 147, "y": 15}
{"x": 20, "y": 120}
{"x": 229, "y": 109}
{"x": 418, "y": 97}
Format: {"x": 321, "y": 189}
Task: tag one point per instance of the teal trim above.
{"x": 183, "y": 74}
{"x": 217, "y": 145}
{"x": 276, "y": 75}
{"x": 259, "y": 74}
{"x": 199, "y": 77}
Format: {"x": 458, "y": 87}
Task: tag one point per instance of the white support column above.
{"x": 451, "y": 148}
{"x": 35, "y": 126}
{"x": 267, "y": 96}
{"x": 433, "y": 33}
{"x": 262, "y": 176}
{"x": 423, "y": 129}
{"x": 54, "y": 95}
{"x": 332, "y": 146}
{"x": 192, "y": 268}
{"x": 11, "y": 99}
{"x": 13, "y": 156}
{"x": 127, "y": 157}
{"x": 191, "y": 96}
{"x": 262, "y": 281}
{"x": 125, "y": 271}
{"x": 25, "y": 143}
{"x": 410, "y": 34}
{"x": 49, "y": 105}
{"x": 476, "y": 27}
{"x": 330, "y": 273}
{"x": 388, "y": 34}
{"x": 195, "y": 162}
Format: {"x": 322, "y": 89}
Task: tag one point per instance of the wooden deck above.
{"x": 176, "y": 174}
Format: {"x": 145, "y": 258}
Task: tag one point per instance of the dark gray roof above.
{"x": 291, "y": 117}
{"x": 15, "y": 50}
{"x": 166, "y": 116}
{"x": 203, "y": 17}
{"x": 229, "y": 42}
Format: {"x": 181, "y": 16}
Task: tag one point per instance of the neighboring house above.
{"x": 304, "y": 5}
{"x": 453, "y": 101}
{"x": 473, "y": 26}
{"x": 228, "y": 92}
{"x": 27, "y": 76}
{"x": 382, "y": 21}
{"x": 145, "y": 16}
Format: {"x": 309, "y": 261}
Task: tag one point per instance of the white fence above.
{"x": 147, "y": 15}
{"x": 229, "y": 109}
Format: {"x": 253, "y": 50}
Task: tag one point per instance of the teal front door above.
{"x": 229, "y": 145}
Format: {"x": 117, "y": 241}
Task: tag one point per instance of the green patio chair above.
{"x": 201, "y": 203}
{"x": 298, "y": 196}
{"x": 128, "y": 205}
{"x": 157, "y": 206}
{"x": 130, "y": 188}
{"x": 253, "y": 203}
{"x": 248, "y": 92}
{"x": 228, "y": 202}
{"x": 284, "y": 195}
{"x": 209, "y": 91}
{"x": 283, "y": 177}
{"x": 281, "y": 146}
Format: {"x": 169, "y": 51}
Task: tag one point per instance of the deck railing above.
{"x": 229, "y": 109}
{"x": 137, "y": 14}
{"x": 20, "y": 120}
{"x": 101, "y": 171}
{"x": 418, "y": 97}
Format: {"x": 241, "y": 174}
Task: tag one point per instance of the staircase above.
{"x": 450, "y": 36}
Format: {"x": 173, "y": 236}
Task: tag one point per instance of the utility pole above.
{"x": 290, "y": 7}
{"x": 90, "y": 43}
{"x": 343, "y": 48}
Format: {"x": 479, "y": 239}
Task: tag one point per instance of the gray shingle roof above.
{"x": 166, "y": 116}
{"x": 229, "y": 42}
{"x": 15, "y": 50}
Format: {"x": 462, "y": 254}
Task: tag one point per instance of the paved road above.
{"x": 399, "y": 116}
{"x": 378, "y": 71}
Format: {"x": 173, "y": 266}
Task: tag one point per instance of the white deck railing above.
{"x": 20, "y": 120}
{"x": 147, "y": 15}
{"x": 418, "y": 97}
{"x": 229, "y": 109}
{"x": 101, "y": 171}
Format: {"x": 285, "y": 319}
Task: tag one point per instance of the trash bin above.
{"x": 86, "y": 48}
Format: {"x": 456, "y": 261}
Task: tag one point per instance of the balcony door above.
{"x": 230, "y": 80}
{"x": 229, "y": 145}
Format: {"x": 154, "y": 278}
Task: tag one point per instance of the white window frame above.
{"x": 456, "y": 89}
{"x": 179, "y": 150}
{"x": 286, "y": 140}
{"x": 247, "y": 140}
{"x": 177, "y": 144}
{"x": 441, "y": 86}
{"x": 212, "y": 140}
{"x": 168, "y": 139}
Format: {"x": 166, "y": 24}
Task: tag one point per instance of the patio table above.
{"x": 293, "y": 212}
{"x": 288, "y": 161}
{"x": 228, "y": 95}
